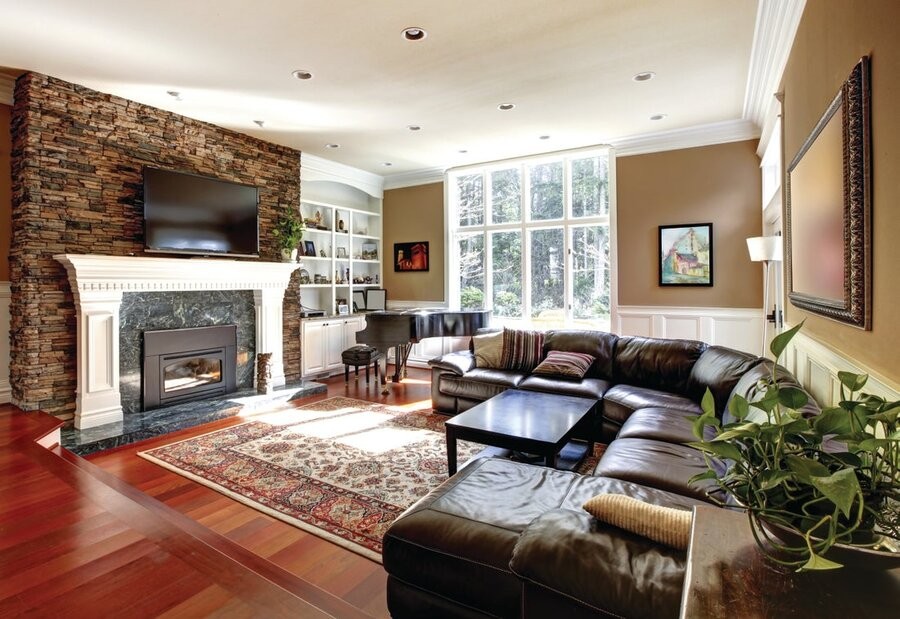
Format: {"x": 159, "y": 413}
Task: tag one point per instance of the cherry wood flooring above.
{"x": 78, "y": 537}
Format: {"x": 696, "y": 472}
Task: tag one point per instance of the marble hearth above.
{"x": 99, "y": 284}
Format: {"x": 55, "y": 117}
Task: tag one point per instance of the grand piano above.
{"x": 401, "y": 329}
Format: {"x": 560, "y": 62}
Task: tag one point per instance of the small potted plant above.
{"x": 820, "y": 490}
{"x": 288, "y": 232}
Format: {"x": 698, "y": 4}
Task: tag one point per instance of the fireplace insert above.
{"x": 188, "y": 364}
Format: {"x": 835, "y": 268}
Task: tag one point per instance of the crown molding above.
{"x": 776, "y": 26}
{"x": 313, "y": 168}
{"x": 688, "y": 137}
{"x": 424, "y": 176}
{"x": 7, "y": 86}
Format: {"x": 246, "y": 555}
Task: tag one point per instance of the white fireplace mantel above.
{"x": 98, "y": 283}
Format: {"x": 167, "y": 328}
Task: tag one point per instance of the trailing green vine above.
{"x": 831, "y": 478}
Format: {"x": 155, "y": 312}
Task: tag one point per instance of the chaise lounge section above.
{"x": 508, "y": 539}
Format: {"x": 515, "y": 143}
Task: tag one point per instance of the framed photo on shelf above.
{"x": 686, "y": 255}
{"x": 309, "y": 248}
{"x": 341, "y": 252}
{"x": 369, "y": 251}
{"x": 410, "y": 257}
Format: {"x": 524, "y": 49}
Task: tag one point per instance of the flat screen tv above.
{"x": 189, "y": 214}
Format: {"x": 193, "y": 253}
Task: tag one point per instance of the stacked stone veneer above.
{"x": 77, "y": 156}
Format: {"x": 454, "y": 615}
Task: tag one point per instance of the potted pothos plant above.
{"x": 820, "y": 490}
{"x": 288, "y": 232}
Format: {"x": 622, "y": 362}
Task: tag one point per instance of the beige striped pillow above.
{"x": 665, "y": 525}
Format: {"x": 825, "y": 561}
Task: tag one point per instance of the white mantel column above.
{"x": 97, "y": 397}
{"x": 269, "y": 329}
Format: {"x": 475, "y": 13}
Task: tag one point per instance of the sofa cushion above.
{"x": 719, "y": 369}
{"x": 656, "y": 364}
{"x": 575, "y": 566}
{"x": 457, "y": 542}
{"x": 565, "y": 365}
{"x": 584, "y": 388}
{"x": 488, "y": 350}
{"x": 662, "y": 424}
{"x": 622, "y": 400}
{"x": 665, "y": 466}
{"x": 480, "y": 383}
{"x": 598, "y": 344}
{"x": 522, "y": 349}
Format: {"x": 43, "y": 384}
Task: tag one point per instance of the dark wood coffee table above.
{"x": 524, "y": 421}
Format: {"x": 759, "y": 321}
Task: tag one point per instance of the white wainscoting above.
{"x": 5, "y": 391}
{"x": 816, "y": 366}
{"x": 738, "y": 328}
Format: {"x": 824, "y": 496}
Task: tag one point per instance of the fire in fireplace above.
{"x": 188, "y": 364}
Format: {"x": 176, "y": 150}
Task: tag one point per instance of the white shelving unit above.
{"x": 342, "y": 207}
{"x": 347, "y": 204}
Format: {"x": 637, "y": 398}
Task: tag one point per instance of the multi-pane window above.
{"x": 530, "y": 240}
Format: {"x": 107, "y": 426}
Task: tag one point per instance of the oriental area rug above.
{"x": 342, "y": 469}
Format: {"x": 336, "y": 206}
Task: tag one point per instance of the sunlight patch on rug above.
{"x": 342, "y": 469}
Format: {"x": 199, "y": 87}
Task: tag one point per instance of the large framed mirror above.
{"x": 829, "y": 210}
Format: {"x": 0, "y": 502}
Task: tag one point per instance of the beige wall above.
{"x": 5, "y": 191}
{"x": 830, "y": 40}
{"x": 415, "y": 214}
{"x": 718, "y": 184}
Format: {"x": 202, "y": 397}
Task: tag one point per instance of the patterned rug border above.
{"x": 309, "y": 528}
{"x": 313, "y": 530}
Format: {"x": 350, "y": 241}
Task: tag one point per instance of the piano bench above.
{"x": 360, "y": 356}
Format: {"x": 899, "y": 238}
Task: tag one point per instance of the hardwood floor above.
{"x": 346, "y": 575}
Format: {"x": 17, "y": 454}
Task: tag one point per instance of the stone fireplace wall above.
{"x": 77, "y": 156}
{"x": 145, "y": 311}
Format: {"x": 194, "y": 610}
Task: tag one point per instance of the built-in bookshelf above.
{"x": 341, "y": 251}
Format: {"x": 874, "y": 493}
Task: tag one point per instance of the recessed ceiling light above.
{"x": 414, "y": 127}
{"x": 544, "y": 137}
{"x": 302, "y": 74}
{"x": 645, "y": 76}
{"x": 332, "y": 145}
{"x": 387, "y": 164}
{"x": 414, "y": 33}
{"x": 174, "y": 94}
{"x": 658, "y": 116}
{"x": 506, "y": 106}
{"x": 260, "y": 123}
{"x": 463, "y": 151}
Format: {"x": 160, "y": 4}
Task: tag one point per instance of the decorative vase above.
{"x": 289, "y": 255}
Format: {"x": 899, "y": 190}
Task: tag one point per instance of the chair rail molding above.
{"x": 5, "y": 389}
{"x": 816, "y": 366}
{"x": 739, "y": 328}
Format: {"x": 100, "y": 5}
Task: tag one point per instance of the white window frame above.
{"x": 525, "y": 226}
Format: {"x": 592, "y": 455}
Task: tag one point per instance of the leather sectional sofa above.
{"x": 508, "y": 539}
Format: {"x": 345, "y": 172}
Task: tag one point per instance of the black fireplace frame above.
{"x": 160, "y": 346}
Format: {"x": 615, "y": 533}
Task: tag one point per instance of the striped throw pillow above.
{"x": 565, "y": 364}
{"x": 522, "y": 350}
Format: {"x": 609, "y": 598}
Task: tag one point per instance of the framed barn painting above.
{"x": 686, "y": 255}
{"x": 411, "y": 256}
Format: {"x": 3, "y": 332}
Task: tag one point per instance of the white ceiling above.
{"x": 567, "y": 65}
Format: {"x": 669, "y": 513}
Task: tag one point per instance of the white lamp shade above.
{"x": 763, "y": 248}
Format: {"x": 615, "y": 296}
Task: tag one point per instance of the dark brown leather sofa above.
{"x": 507, "y": 539}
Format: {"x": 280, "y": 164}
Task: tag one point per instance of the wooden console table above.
{"x": 727, "y": 577}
